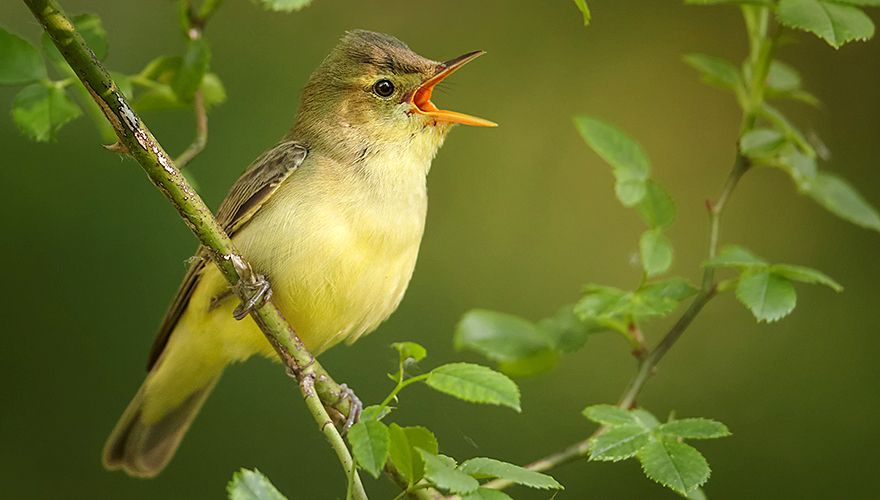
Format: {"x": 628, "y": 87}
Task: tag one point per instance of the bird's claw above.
{"x": 354, "y": 412}
{"x": 258, "y": 291}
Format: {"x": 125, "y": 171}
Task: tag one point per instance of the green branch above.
{"x": 135, "y": 139}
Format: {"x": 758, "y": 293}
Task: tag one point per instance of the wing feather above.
{"x": 249, "y": 193}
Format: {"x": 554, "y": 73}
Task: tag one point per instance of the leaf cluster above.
{"x": 660, "y": 448}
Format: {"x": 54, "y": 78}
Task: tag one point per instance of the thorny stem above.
{"x": 135, "y": 139}
{"x": 761, "y": 47}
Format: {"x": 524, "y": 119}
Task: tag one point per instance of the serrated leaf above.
{"x": 609, "y": 415}
{"x": 403, "y": 450}
{"x": 655, "y": 251}
{"x": 619, "y": 442}
{"x": 369, "y": 444}
{"x": 785, "y": 126}
{"x": 499, "y": 336}
{"x": 718, "y": 2}
{"x": 599, "y": 301}
{"x": 41, "y": 109}
{"x": 192, "y": 69}
{"x": 645, "y": 418}
{"x": 441, "y": 471}
{"x": 715, "y": 70}
{"x": 409, "y": 350}
{"x": 89, "y": 26}
{"x": 486, "y": 494}
{"x": 694, "y": 428}
{"x": 21, "y": 61}
{"x": 769, "y": 296}
{"x": 656, "y": 207}
{"x": 761, "y": 142}
{"x": 534, "y": 364}
{"x": 805, "y": 275}
{"x": 863, "y": 3}
{"x": 835, "y": 23}
{"x": 252, "y": 485}
{"x": 678, "y": 466}
{"x": 841, "y": 199}
{"x": 482, "y": 468}
{"x": 284, "y": 5}
{"x": 475, "y": 383}
{"x": 629, "y": 162}
{"x": 735, "y": 256}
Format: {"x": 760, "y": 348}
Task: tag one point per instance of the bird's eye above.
{"x": 383, "y": 88}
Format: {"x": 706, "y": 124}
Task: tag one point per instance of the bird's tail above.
{"x": 142, "y": 448}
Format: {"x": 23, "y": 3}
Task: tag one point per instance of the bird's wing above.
{"x": 249, "y": 193}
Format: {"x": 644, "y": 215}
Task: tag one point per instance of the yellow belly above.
{"x": 338, "y": 268}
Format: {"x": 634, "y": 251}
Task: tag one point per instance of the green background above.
{"x": 521, "y": 216}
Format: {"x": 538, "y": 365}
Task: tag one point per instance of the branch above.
{"x": 194, "y": 24}
{"x": 135, "y": 139}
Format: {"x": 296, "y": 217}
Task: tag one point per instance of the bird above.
{"x": 332, "y": 216}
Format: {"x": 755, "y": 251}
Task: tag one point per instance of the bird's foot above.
{"x": 355, "y": 409}
{"x": 256, "y": 290}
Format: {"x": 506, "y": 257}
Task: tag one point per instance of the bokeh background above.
{"x": 521, "y": 216}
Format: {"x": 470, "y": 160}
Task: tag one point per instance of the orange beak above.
{"x": 421, "y": 98}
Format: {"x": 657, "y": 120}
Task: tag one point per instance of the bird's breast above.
{"x": 340, "y": 248}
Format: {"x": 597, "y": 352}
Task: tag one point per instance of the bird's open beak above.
{"x": 421, "y": 98}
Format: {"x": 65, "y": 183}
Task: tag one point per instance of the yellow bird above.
{"x": 333, "y": 215}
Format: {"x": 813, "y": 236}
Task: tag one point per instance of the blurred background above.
{"x": 521, "y": 216}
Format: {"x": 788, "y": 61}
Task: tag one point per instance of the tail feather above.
{"x": 143, "y": 449}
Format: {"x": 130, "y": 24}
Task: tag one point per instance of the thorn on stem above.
{"x": 116, "y": 147}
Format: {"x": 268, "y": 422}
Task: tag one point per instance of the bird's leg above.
{"x": 254, "y": 288}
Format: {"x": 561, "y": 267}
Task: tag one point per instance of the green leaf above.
{"x": 41, "y": 109}
{"x": 769, "y": 296}
{"x": 782, "y": 78}
{"x": 761, "y": 142}
{"x": 486, "y": 494}
{"x": 369, "y": 444}
{"x": 694, "y": 428}
{"x": 213, "y": 90}
{"x": 782, "y": 124}
{"x": 192, "y": 70}
{"x": 403, "y": 451}
{"x": 499, "y": 336}
{"x": 252, "y": 485}
{"x": 663, "y": 297}
{"x": 676, "y": 465}
{"x": 375, "y": 412}
{"x": 841, "y": 199}
{"x": 800, "y": 167}
{"x": 619, "y": 442}
{"x": 805, "y": 275}
{"x": 585, "y": 10}
{"x": 534, "y": 364}
{"x": 566, "y": 331}
{"x": 735, "y": 256}
{"x": 410, "y": 350}
{"x": 21, "y": 61}
{"x": 91, "y": 29}
{"x": 655, "y": 250}
{"x": 835, "y": 23}
{"x": 656, "y": 207}
{"x": 864, "y": 3}
{"x": 475, "y": 383}
{"x": 716, "y": 71}
{"x": 482, "y": 468}
{"x": 629, "y": 162}
{"x": 609, "y": 415}
{"x": 440, "y": 470}
{"x": 284, "y": 5}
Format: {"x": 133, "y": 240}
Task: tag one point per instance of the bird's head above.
{"x": 373, "y": 89}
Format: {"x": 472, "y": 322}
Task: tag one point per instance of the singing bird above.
{"x": 333, "y": 215}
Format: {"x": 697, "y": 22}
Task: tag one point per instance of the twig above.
{"x": 135, "y": 138}
{"x": 195, "y": 25}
